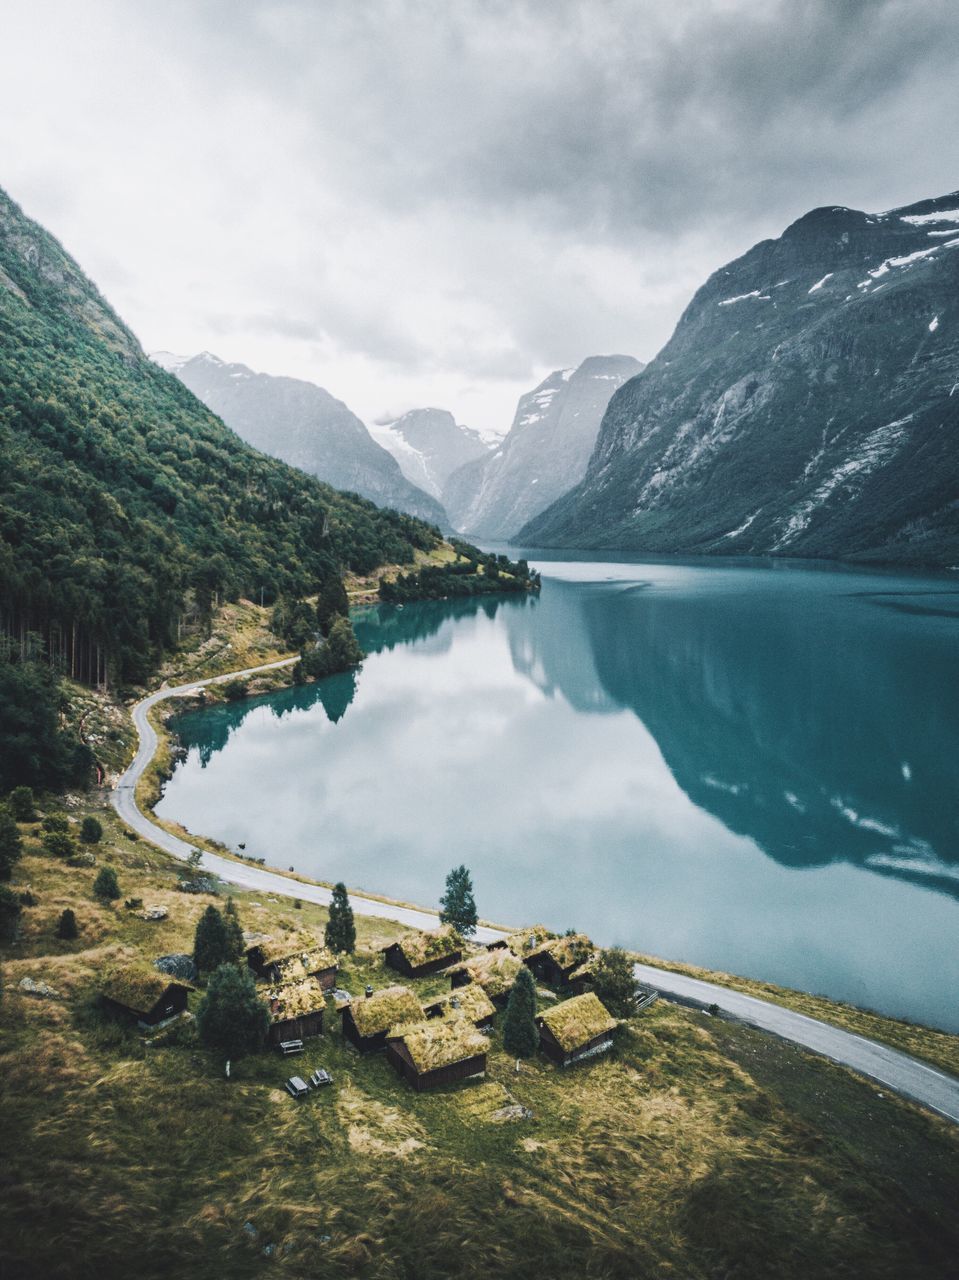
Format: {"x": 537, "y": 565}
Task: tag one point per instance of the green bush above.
{"x": 232, "y": 1019}
{"x": 55, "y": 822}
{"x": 58, "y": 844}
{"x": 91, "y": 830}
{"x": 10, "y": 912}
{"x": 21, "y": 804}
{"x": 106, "y": 885}
{"x": 520, "y": 1033}
{"x": 67, "y": 925}
{"x": 11, "y": 846}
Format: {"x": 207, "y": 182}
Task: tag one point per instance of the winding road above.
{"x": 897, "y": 1071}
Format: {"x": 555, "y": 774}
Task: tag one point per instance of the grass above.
{"x": 936, "y": 1047}
{"x": 697, "y": 1148}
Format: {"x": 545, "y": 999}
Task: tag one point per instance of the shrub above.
{"x": 55, "y": 822}
{"x": 59, "y": 844}
{"x": 211, "y": 942}
{"x": 520, "y": 1033}
{"x": 232, "y": 1019}
{"x": 235, "y": 690}
{"x": 20, "y": 801}
{"x": 11, "y": 846}
{"x": 28, "y": 898}
{"x": 614, "y": 982}
{"x": 106, "y": 885}
{"x": 67, "y": 925}
{"x": 91, "y": 830}
{"x": 236, "y": 946}
{"x": 10, "y": 912}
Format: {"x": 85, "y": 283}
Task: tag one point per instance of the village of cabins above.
{"x": 428, "y": 1044}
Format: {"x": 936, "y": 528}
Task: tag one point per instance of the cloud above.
{"x": 409, "y": 200}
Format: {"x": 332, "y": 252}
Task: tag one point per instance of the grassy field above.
{"x": 696, "y": 1149}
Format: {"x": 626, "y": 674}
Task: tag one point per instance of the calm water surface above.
{"x": 751, "y": 768}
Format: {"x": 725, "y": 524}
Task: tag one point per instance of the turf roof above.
{"x": 423, "y": 947}
{"x": 574, "y": 1022}
{"x": 138, "y": 988}
{"x": 469, "y": 1002}
{"x": 441, "y": 1042}
{"x": 294, "y": 999}
{"x": 385, "y": 1008}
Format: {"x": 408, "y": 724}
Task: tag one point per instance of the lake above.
{"x": 750, "y": 767}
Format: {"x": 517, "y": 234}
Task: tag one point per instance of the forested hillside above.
{"x": 125, "y": 505}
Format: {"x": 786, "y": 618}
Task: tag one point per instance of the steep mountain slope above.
{"x": 804, "y": 405}
{"x": 429, "y": 445}
{"x": 544, "y": 454}
{"x": 123, "y": 501}
{"x": 305, "y": 426}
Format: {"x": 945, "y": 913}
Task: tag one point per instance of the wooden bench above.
{"x": 286, "y": 1047}
{"x": 296, "y": 1088}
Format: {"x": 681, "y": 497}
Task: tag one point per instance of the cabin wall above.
{"x": 365, "y": 1044}
{"x": 400, "y": 1060}
{"x": 301, "y": 1028}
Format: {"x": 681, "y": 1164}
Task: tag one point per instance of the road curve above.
{"x": 896, "y": 1071}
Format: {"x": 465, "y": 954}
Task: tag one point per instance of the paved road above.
{"x": 896, "y": 1071}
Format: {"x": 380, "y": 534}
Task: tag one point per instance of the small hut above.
{"x": 442, "y": 1051}
{"x": 296, "y": 1010}
{"x": 495, "y": 971}
{"x": 367, "y": 1021}
{"x": 292, "y": 960}
{"x": 523, "y": 940}
{"x": 578, "y": 1028}
{"x": 416, "y": 954}
{"x": 151, "y": 997}
{"x": 471, "y": 1003}
{"x": 556, "y": 960}
{"x": 581, "y": 979}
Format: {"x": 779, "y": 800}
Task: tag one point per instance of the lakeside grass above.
{"x": 697, "y": 1149}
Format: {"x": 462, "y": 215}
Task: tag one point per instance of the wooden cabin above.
{"x": 578, "y": 1028}
{"x": 367, "y": 1020}
{"x": 471, "y": 1003}
{"x": 523, "y": 940}
{"x": 416, "y": 954}
{"x": 555, "y": 961}
{"x": 151, "y": 997}
{"x": 494, "y": 971}
{"x": 292, "y": 960}
{"x": 296, "y": 1011}
{"x": 438, "y": 1052}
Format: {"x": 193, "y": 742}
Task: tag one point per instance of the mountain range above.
{"x": 806, "y": 405}
{"x": 429, "y": 445}
{"x": 544, "y": 454}
{"x": 302, "y": 424}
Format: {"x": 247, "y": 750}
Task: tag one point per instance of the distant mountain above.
{"x": 545, "y": 453}
{"x": 305, "y": 426}
{"x": 806, "y": 405}
{"x": 429, "y": 444}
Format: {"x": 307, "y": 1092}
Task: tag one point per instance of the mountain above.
{"x": 125, "y": 505}
{"x": 544, "y": 454}
{"x": 429, "y": 445}
{"x": 305, "y": 426}
{"x": 804, "y": 405}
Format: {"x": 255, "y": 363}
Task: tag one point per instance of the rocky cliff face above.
{"x": 305, "y": 426}
{"x": 544, "y": 454}
{"x": 807, "y": 405}
{"x": 429, "y": 445}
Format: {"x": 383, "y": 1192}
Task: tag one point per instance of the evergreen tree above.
{"x": 67, "y": 925}
{"x": 236, "y": 945}
{"x": 614, "y": 982}
{"x": 520, "y": 1033}
{"x": 91, "y": 830}
{"x": 106, "y": 885}
{"x": 457, "y": 905}
{"x": 10, "y": 912}
{"x": 20, "y": 801}
{"x": 232, "y": 1019}
{"x": 211, "y": 942}
{"x": 11, "y": 846}
{"x": 340, "y": 929}
{"x": 58, "y": 844}
{"x": 342, "y": 646}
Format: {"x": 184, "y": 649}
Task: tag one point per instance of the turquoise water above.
{"x": 751, "y": 768}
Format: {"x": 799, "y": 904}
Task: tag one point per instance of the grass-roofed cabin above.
{"x": 417, "y": 954}
{"x": 494, "y": 971}
{"x": 442, "y": 1051}
{"x": 471, "y": 1003}
{"x": 581, "y": 1027}
{"x": 556, "y": 960}
{"x": 296, "y": 1010}
{"x": 150, "y": 997}
{"x": 367, "y": 1020}
{"x": 292, "y": 960}
{"x": 523, "y": 941}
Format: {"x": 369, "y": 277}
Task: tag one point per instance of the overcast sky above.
{"x": 438, "y": 201}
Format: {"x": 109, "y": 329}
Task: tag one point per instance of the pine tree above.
{"x": 106, "y": 884}
{"x": 21, "y": 804}
{"x": 232, "y": 1019}
{"x": 11, "y": 846}
{"x": 457, "y": 905}
{"x": 342, "y": 646}
{"x": 340, "y": 928}
{"x": 614, "y": 982}
{"x": 234, "y": 932}
{"x": 211, "y": 942}
{"x": 520, "y": 1033}
{"x": 10, "y": 912}
{"x": 90, "y": 830}
{"x": 67, "y": 925}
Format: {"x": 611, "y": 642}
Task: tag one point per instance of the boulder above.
{"x": 177, "y": 965}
